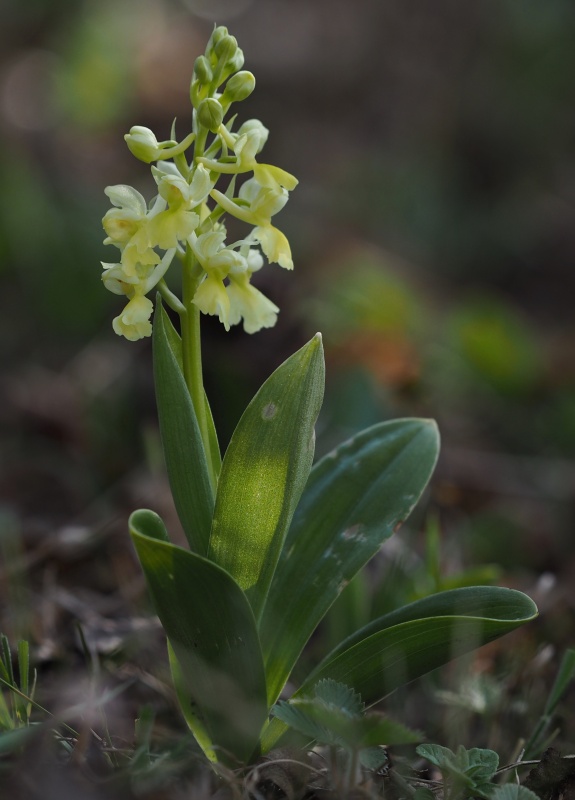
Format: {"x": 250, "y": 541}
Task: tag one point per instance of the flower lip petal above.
{"x": 134, "y": 321}
{"x": 249, "y": 303}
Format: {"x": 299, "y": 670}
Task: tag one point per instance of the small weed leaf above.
{"x": 347, "y": 726}
{"x": 373, "y": 758}
{"x": 339, "y": 695}
{"x": 300, "y": 717}
{"x": 466, "y": 771}
{"x": 512, "y": 791}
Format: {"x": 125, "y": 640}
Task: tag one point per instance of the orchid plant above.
{"x": 272, "y": 539}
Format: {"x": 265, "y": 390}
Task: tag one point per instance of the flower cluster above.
{"x": 184, "y": 221}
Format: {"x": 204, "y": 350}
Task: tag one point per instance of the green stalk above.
{"x": 192, "y": 349}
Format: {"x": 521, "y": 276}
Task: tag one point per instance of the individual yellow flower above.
{"x": 275, "y": 245}
{"x": 117, "y": 281}
{"x": 140, "y": 280}
{"x": 134, "y": 321}
{"x": 246, "y": 144}
{"x": 175, "y": 223}
{"x": 217, "y": 261}
{"x": 214, "y": 256}
{"x": 262, "y": 203}
{"x": 212, "y": 298}
{"x": 128, "y": 216}
{"x": 126, "y": 226}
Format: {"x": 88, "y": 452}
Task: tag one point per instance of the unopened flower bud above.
{"x": 210, "y": 114}
{"x": 203, "y": 70}
{"x": 233, "y": 65}
{"x": 239, "y": 86}
{"x": 217, "y": 34}
{"x": 142, "y": 143}
{"x": 253, "y": 126}
{"x": 226, "y": 48}
{"x": 197, "y": 92}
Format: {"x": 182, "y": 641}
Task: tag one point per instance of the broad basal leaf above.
{"x": 407, "y": 643}
{"x": 218, "y": 666}
{"x": 183, "y": 447}
{"x": 355, "y": 498}
{"x": 265, "y": 470}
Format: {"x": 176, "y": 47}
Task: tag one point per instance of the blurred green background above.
{"x": 433, "y": 234}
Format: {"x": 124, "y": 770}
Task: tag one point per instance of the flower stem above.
{"x": 192, "y": 351}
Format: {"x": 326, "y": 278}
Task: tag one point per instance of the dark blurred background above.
{"x": 433, "y": 234}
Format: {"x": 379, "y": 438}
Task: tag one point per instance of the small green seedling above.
{"x": 272, "y": 539}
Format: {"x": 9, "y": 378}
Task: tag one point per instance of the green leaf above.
{"x": 355, "y": 498}
{"x": 423, "y": 793}
{"x": 6, "y": 660}
{"x": 564, "y": 677}
{"x": 340, "y": 696}
{"x": 298, "y": 714}
{"x": 175, "y": 343}
{"x": 491, "y": 610}
{"x": 477, "y": 762}
{"x": 421, "y": 636}
{"x": 183, "y": 447}
{"x": 512, "y": 791}
{"x": 379, "y": 729}
{"x": 374, "y": 758}
{"x": 407, "y": 643}
{"x": 468, "y": 772}
{"x": 328, "y": 724}
{"x": 24, "y": 665}
{"x": 265, "y": 470}
{"x": 218, "y": 666}
{"x": 15, "y": 739}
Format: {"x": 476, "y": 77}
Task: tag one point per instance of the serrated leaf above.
{"x": 265, "y": 470}
{"x": 339, "y": 695}
{"x": 186, "y": 461}
{"x": 355, "y": 498}
{"x": 334, "y": 726}
{"x": 411, "y": 641}
{"x": 211, "y": 628}
{"x": 374, "y": 758}
{"x": 296, "y": 715}
{"x": 379, "y": 729}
